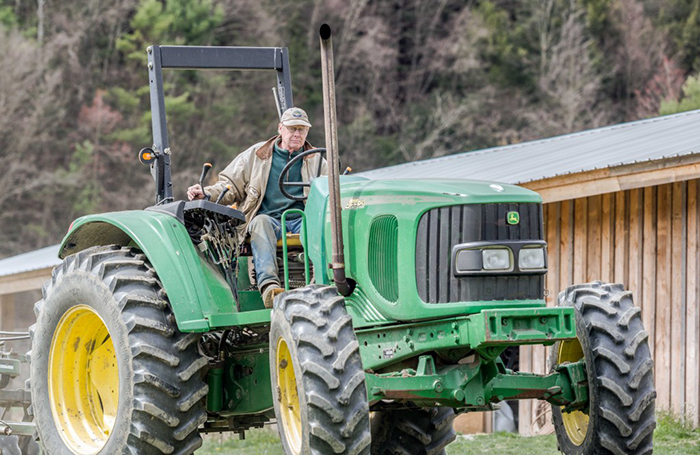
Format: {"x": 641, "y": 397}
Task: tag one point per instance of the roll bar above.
{"x": 204, "y": 58}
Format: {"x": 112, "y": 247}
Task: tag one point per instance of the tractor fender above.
{"x": 194, "y": 290}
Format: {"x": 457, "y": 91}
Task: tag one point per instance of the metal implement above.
{"x": 15, "y": 436}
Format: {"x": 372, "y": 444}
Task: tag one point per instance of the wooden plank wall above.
{"x": 648, "y": 240}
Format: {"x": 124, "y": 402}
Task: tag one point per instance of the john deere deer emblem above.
{"x": 513, "y": 218}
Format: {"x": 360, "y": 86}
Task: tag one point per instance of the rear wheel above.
{"x": 110, "y": 372}
{"x": 317, "y": 376}
{"x": 619, "y": 418}
{"x": 425, "y": 431}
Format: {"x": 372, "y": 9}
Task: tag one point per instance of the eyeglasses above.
{"x": 297, "y": 129}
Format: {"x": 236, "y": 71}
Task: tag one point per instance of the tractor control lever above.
{"x": 205, "y": 170}
{"x": 223, "y": 193}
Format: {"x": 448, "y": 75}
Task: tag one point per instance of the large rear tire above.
{"x": 620, "y": 418}
{"x": 425, "y": 431}
{"x": 317, "y": 376}
{"x": 110, "y": 372}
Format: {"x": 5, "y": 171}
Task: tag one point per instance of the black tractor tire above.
{"x": 160, "y": 386}
{"x": 314, "y": 328}
{"x": 425, "y": 431}
{"x": 619, "y": 368}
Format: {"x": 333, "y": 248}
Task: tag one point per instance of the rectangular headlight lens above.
{"x": 531, "y": 258}
{"x": 496, "y": 259}
{"x": 468, "y": 261}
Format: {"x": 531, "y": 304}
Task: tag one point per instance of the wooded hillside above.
{"x": 415, "y": 79}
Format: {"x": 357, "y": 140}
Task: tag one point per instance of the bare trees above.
{"x": 416, "y": 79}
{"x": 568, "y": 77}
{"x": 40, "y": 21}
{"x": 30, "y": 102}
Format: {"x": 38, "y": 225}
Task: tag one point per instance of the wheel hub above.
{"x": 83, "y": 380}
{"x": 575, "y": 422}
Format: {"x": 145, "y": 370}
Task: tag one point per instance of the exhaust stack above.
{"x": 328, "y": 75}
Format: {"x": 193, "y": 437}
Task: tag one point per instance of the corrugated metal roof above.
{"x": 626, "y": 143}
{"x": 33, "y": 260}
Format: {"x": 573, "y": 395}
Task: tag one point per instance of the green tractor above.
{"x": 401, "y": 297}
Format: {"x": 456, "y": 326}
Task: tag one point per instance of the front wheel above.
{"x": 317, "y": 376}
{"x": 424, "y": 431}
{"x": 619, "y": 418}
{"x": 110, "y": 372}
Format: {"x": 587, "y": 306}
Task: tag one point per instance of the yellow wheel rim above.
{"x": 83, "y": 380}
{"x": 575, "y": 422}
{"x": 290, "y": 409}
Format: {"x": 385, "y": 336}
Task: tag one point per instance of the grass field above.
{"x": 673, "y": 436}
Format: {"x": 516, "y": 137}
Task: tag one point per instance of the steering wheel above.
{"x": 283, "y": 175}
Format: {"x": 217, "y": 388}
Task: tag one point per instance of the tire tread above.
{"x": 166, "y": 364}
{"x": 332, "y": 378}
{"x": 423, "y": 431}
{"x": 619, "y": 363}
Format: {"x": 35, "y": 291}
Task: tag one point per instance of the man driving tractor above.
{"x": 252, "y": 182}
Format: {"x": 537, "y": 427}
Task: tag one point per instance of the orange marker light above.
{"x": 146, "y": 156}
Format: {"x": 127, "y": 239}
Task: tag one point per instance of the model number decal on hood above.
{"x": 355, "y": 204}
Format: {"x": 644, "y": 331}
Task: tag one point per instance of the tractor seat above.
{"x": 292, "y": 241}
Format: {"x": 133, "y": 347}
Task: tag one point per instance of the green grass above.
{"x": 503, "y": 443}
{"x": 257, "y": 442}
{"x": 673, "y": 436}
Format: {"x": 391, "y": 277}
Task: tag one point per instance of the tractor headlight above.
{"x": 531, "y": 259}
{"x": 496, "y": 259}
{"x": 504, "y": 257}
{"x": 468, "y": 261}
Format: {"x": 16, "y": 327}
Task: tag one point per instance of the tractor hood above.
{"x": 438, "y": 191}
{"x": 384, "y": 237}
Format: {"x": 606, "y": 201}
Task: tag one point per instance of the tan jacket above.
{"x": 248, "y": 174}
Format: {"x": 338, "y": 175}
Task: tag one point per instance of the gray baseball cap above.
{"x": 294, "y": 117}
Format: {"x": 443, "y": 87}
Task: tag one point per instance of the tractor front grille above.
{"x": 440, "y": 229}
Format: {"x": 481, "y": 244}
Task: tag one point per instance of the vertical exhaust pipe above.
{"x": 328, "y": 75}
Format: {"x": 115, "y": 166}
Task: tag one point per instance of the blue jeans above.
{"x": 265, "y": 231}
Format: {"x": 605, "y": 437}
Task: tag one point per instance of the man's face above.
{"x": 293, "y": 137}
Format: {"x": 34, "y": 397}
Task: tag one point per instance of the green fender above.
{"x": 199, "y": 296}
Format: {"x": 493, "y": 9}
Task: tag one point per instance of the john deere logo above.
{"x": 513, "y": 218}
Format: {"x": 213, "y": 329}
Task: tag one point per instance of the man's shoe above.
{"x": 269, "y": 294}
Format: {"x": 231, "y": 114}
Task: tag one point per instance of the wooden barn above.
{"x": 621, "y": 204}
{"x": 21, "y": 280}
